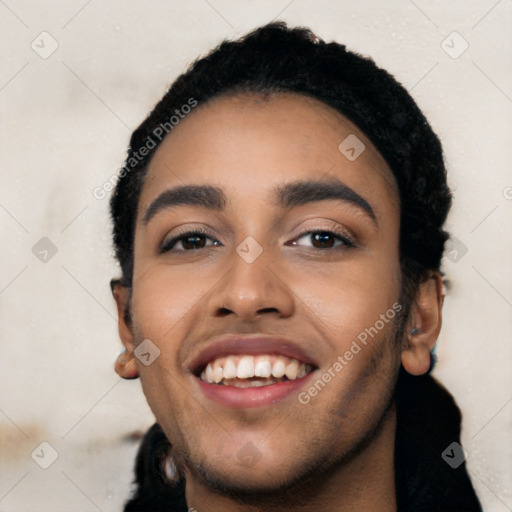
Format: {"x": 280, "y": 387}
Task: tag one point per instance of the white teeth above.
{"x": 262, "y": 368}
{"x": 279, "y": 368}
{"x": 217, "y": 372}
{"x": 230, "y": 368}
{"x": 209, "y": 373}
{"x": 292, "y": 369}
{"x": 245, "y": 368}
{"x": 253, "y": 371}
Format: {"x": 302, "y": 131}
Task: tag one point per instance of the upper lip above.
{"x": 254, "y": 344}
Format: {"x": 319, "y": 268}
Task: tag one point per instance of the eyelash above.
{"x": 167, "y": 246}
{"x": 347, "y": 242}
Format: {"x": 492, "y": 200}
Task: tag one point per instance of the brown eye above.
{"x": 324, "y": 240}
{"x": 192, "y": 240}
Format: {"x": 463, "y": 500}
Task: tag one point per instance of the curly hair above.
{"x": 275, "y": 58}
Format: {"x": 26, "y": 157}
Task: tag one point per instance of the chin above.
{"x": 238, "y": 467}
{"x": 250, "y": 482}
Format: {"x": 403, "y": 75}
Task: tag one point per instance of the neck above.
{"x": 364, "y": 483}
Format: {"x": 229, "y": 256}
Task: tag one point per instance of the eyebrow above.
{"x": 286, "y": 196}
{"x": 208, "y": 196}
{"x": 303, "y": 192}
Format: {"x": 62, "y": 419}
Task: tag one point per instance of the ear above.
{"x": 425, "y": 325}
{"x": 126, "y": 364}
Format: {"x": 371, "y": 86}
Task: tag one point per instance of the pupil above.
{"x": 321, "y": 237}
{"x": 195, "y": 241}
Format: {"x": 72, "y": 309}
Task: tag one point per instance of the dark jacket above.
{"x": 428, "y": 475}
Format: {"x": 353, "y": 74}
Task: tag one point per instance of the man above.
{"x": 279, "y": 225}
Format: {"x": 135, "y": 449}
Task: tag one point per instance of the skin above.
{"x": 336, "y": 452}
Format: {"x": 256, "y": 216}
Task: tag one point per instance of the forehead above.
{"x": 250, "y": 142}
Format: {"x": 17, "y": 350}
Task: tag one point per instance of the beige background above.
{"x": 65, "y": 123}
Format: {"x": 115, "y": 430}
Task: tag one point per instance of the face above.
{"x": 292, "y": 267}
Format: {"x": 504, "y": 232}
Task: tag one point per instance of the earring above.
{"x": 169, "y": 469}
{"x": 414, "y": 330}
{"x": 121, "y": 366}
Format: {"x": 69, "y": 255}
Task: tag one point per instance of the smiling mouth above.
{"x": 247, "y": 371}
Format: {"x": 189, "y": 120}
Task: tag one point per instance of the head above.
{"x": 316, "y": 193}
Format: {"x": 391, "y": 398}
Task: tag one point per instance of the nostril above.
{"x": 267, "y": 310}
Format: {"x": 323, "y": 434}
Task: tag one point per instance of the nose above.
{"x": 252, "y": 289}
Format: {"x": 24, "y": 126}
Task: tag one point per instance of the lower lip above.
{"x": 238, "y": 398}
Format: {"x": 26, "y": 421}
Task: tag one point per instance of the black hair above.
{"x": 275, "y": 58}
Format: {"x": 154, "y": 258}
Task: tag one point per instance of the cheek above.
{"x": 346, "y": 298}
{"x": 165, "y": 299}
{"x": 355, "y": 307}
{"x": 164, "y": 306}
{"x": 160, "y": 306}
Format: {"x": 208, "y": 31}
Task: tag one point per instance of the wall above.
{"x": 66, "y": 118}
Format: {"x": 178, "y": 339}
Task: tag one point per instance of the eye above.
{"x": 189, "y": 241}
{"x": 324, "y": 240}
{"x": 199, "y": 239}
